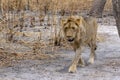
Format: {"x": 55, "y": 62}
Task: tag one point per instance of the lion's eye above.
{"x": 73, "y": 28}
{"x": 65, "y": 28}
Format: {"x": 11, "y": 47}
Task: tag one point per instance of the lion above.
{"x": 79, "y": 32}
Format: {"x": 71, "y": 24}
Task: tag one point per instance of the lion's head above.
{"x": 71, "y": 28}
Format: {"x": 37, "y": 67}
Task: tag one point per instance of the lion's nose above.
{"x": 68, "y": 36}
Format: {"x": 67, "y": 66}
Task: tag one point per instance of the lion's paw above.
{"x": 81, "y": 65}
{"x": 72, "y": 69}
{"x": 91, "y": 61}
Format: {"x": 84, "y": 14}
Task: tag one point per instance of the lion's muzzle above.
{"x": 70, "y": 39}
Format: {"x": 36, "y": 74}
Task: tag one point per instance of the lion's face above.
{"x": 70, "y": 29}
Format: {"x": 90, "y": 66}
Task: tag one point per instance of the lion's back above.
{"x": 91, "y": 28}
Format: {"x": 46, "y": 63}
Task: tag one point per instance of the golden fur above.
{"x": 79, "y": 32}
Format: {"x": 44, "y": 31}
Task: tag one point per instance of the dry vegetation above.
{"x": 13, "y": 21}
{"x": 7, "y": 58}
{"x": 48, "y": 4}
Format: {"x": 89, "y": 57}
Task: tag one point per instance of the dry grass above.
{"x": 49, "y": 4}
{"x": 6, "y": 58}
{"x": 9, "y": 21}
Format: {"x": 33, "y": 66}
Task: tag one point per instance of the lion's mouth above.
{"x": 71, "y": 40}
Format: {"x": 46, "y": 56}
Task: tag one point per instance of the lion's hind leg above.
{"x": 93, "y": 47}
{"x": 81, "y": 62}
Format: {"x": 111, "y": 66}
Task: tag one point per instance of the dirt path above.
{"x": 106, "y": 67}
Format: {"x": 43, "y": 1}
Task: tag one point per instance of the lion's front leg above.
{"x": 73, "y": 67}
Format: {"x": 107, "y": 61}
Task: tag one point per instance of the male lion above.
{"x": 80, "y": 32}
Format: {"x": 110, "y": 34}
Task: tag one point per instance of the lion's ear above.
{"x": 63, "y": 22}
{"x": 79, "y": 20}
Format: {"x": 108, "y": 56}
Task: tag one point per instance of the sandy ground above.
{"x": 106, "y": 66}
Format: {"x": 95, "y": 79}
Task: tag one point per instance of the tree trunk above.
{"x": 28, "y": 5}
{"x": 116, "y": 11}
{"x": 97, "y": 8}
{"x": 0, "y": 7}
